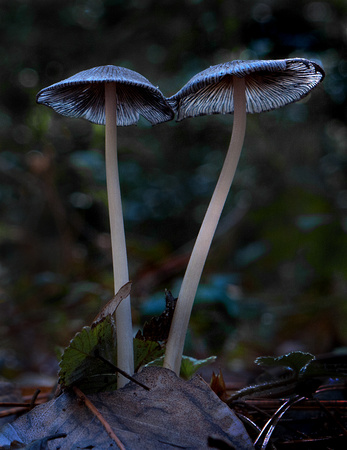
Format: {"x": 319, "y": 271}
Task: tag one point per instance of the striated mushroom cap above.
{"x": 83, "y": 95}
{"x": 269, "y": 85}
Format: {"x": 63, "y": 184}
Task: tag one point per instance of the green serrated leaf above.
{"x": 145, "y": 352}
{"x": 296, "y": 361}
{"x": 157, "y": 362}
{"x": 84, "y": 360}
{"x": 190, "y": 366}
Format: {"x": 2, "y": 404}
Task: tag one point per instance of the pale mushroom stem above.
{"x": 125, "y": 354}
{"x": 179, "y": 326}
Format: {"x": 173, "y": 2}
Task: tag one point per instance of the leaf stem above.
{"x": 116, "y": 369}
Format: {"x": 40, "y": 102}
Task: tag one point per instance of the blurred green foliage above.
{"x": 276, "y": 277}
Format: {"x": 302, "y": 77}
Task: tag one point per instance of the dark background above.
{"x": 276, "y": 276}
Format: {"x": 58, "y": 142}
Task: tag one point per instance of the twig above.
{"x": 18, "y": 407}
{"x": 34, "y": 398}
{"x": 99, "y": 416}
{"x": 14, "y": 404}
{"x": 117, "y": 369}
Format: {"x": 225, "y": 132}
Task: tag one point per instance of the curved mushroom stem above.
{"x": 179, "y": 326}
{"x": 125, "y": 354}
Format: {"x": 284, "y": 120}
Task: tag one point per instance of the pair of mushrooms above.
{"x": 116, "y": 96}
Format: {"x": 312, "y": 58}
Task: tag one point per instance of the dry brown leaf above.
{"x": 113, "y": 304}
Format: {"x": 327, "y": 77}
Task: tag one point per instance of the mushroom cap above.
{"x": 83, "y": 95}
{"x": 270, "y": 84}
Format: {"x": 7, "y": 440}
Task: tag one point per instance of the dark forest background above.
{"x": 276, "y": 276}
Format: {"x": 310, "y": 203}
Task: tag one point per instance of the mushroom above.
{"x": 237, "y": 87}
{"x": 113, "y": 96}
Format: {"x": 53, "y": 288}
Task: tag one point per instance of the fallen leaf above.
{"x": 218, "y": 386}
{"x": 111, "y": 306}
{"x": 173, "y": 414}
